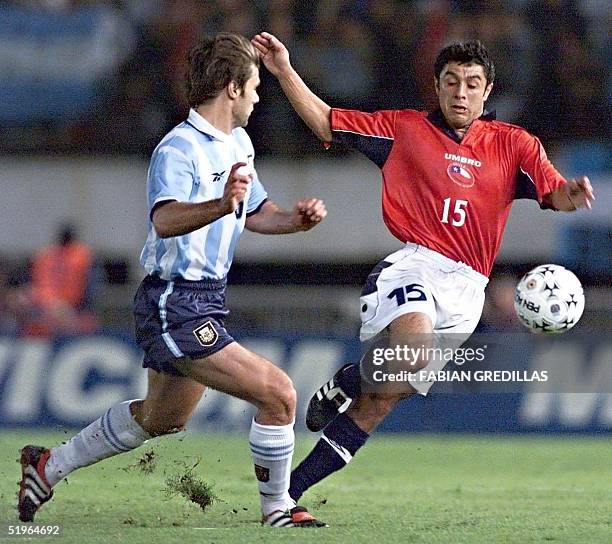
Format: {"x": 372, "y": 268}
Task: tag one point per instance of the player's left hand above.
{"x": 579, "y": 191}
{"x": 309, "y": 213}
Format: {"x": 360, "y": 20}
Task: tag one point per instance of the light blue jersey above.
{"x": 192, "y": 164}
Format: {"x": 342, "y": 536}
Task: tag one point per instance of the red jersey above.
{"x": 450, "y": 195}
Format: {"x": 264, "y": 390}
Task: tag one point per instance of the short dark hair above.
{"x": 470, "y": 52}
{"x": 214, "y": 62}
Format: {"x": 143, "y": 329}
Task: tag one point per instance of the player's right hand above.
{"x": 235, "y": 188}
{"x": 272, "y": 52}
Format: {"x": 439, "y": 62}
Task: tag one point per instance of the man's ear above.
{"x": 233, "y": 91}
{"x": 437, "y": 86}
{"x": 488, "y": 91}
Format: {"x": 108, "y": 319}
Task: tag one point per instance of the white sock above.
{"x": 115, "y": 432}
{"x": 272, "y": 449}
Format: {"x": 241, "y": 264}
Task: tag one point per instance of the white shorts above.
{"x": 417, "y": 279}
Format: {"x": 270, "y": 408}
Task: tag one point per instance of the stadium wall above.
{"x": 107, "y": 200}
{"x": 68, "y": 382}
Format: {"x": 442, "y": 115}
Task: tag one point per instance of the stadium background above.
{"x": 89, "y": 87}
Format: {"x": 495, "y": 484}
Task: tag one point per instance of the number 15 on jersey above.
{"x": 458, "y": 215}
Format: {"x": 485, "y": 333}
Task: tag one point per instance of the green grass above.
{"x": 440, "y": 489}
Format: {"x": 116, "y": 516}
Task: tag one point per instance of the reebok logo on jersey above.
{"x": 462, "y": 160}
{"x": 206, "y": 334}
{"x": 217, "y": 176}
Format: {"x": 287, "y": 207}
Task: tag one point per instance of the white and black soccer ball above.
{"x": 549, "y": 299}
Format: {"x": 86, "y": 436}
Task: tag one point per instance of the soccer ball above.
{"x": 549, "y": 299}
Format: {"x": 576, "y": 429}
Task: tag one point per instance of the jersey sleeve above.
{"x": 536, "y": 176}
{"x": 171, "y": 176}
{"x": 257, "y": 197}
{"x": 369, "y": 133}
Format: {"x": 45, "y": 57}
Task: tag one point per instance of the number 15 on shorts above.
{"x": 458, "y": 215}
{"x": 408, "y": 293}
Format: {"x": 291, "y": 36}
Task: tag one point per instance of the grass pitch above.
{"x": 425, "y": 489}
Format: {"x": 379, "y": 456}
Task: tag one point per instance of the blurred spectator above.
{"x": 511, "y": 44}
{"x": 569, "y": 98}
{"x": 58, "y": 298}
{"x": 340, "y": 57}
{"x": 395, "y": 31}
{"x": 435, "y": 18}
{"x": 274, "y": 116}
{"x": 8, "y": 317}
{"x": 238, "y": 16}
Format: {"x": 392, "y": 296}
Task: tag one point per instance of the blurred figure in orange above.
{"x": 57, "y": 299}
{"x": 8, "y": 319}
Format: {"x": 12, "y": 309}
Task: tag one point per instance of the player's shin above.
{"x": 335, "y": 449}
{"x": 272, "y": 448}
{"x": 115, "y": 432}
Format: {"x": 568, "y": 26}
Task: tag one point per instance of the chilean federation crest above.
{"x": 460, "y": 174}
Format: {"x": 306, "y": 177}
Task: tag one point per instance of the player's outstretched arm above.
{"x": 313, "y": 111}
{"x": 271, "y": 219}
{"x": 174, "y": 218}
{"x": 575, "y": 194}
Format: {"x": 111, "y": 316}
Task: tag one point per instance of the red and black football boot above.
{"x": 34, "y": 490}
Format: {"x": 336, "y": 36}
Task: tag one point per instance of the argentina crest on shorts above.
{"x": 206, "y": 334}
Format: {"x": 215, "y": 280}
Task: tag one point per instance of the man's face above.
{"x": 462, "y": 90}
{"x": 243, "y": 105}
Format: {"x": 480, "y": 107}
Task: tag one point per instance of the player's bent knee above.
{"x": 280, "y": 396}
{"x": 285, "y": 394}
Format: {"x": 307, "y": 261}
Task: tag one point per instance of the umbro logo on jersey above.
{"x": 462, "y": 160}
{"x": 217, "y": 176}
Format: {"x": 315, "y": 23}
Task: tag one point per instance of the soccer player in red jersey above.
{"x": 449, "y": 180}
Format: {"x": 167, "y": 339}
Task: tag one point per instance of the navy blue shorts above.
{"x": 177, "y": 319}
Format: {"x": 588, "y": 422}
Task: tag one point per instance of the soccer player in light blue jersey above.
{"x": 203, "y": 190}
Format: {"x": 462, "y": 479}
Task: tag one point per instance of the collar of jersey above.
{"x": 437, "y": 119}
{"x": 199, "y": 123}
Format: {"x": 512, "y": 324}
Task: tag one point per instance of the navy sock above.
{"x": 336, "y": 447}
